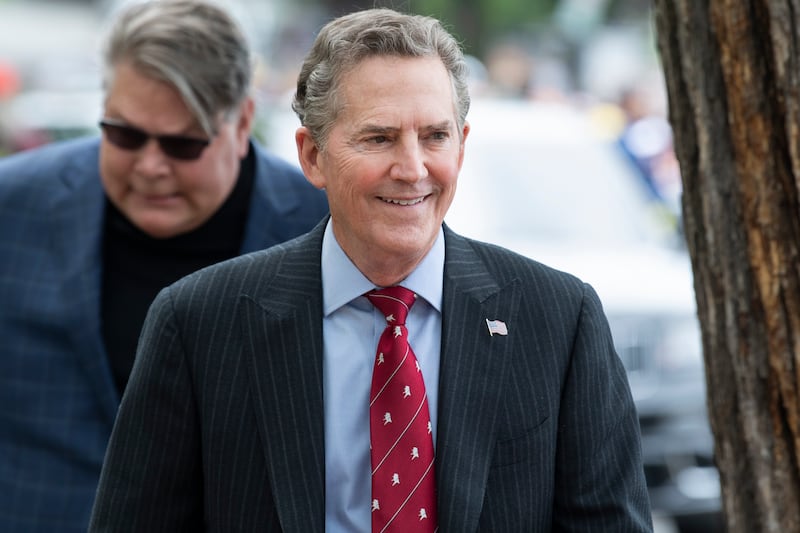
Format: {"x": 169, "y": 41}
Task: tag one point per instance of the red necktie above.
{"x": 401, "y": 444}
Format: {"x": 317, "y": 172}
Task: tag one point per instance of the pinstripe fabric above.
{"x": 556, "y": 446}
{"x": 222, "y": 427}
{"x": 57, "y": 397}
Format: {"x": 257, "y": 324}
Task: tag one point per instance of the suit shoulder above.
{"x": 235, "y": 275}
{"x": 260, "y": 263}
{"x": 284, "y": 272}
{"x": 39, "y": 167}
{"x": 32, "y": 183}
{"x": 31, "y": 164}
{"x": 506, "y": 263}
{"x": 541, "y": 287}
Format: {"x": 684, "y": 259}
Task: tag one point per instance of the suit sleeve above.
{"x": 152, "y": 474}
{"x": 600, "y": 483}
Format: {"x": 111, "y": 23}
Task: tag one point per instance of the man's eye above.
{"x": 439, "y": 135}
{"x": 379, "y": 139}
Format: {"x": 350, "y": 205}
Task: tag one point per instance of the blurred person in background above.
{"x": 253, "y": 402}
{"x": 646, "y": 139}
{"x": 92, "y": 229}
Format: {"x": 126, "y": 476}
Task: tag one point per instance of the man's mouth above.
{"x": 412, "y": 201}
{"x": 160, "y": 198}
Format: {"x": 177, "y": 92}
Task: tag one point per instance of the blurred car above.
{"x": 540, "y": 179}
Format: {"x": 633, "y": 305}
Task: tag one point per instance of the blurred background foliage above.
{"x": 584, "y": 51}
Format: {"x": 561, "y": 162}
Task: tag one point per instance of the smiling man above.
{"x": 381, "y": 372}
{"x": 390, "y": 162}
{"x": 91, "y": 230}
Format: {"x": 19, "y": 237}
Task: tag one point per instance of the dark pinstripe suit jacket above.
{"x": 57, "y": 396}
{"x": 221, "y": 427}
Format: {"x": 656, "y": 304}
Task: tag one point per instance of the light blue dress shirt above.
{"x": 351, "y": 328}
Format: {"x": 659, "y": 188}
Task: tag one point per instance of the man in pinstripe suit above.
{"x": 247, "y": 409}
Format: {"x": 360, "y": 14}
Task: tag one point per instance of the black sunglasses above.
{"x": 127, "y": 137}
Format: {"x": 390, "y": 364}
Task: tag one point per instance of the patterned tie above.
{"x": 403, "y": 482}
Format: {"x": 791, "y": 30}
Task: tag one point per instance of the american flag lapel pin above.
{"x": 496, "y": 327}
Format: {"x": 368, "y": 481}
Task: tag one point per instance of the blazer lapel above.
{"x": 262, "y": 229}
{"x": 77, "y": 209}
{"x": 283, "y": 320}
{"x": 473, "y": 367}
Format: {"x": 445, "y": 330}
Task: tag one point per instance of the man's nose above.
{"x": 410, "y": 162}
{"x": 151, "y": 160}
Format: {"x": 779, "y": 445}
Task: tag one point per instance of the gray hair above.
{"x": 192, "y": 45}
{"x": 342, "y": 43}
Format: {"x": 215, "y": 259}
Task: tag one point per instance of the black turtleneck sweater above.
{"x": 137, "y": 266}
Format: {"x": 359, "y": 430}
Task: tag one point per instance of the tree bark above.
{"x": 732, "y": 69}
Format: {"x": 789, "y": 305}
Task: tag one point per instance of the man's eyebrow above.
{"x": 440, "y": 126}
{"x": 375, "y": 129}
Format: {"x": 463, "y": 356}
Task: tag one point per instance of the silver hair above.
{"x": 192, "y": 45}
{"x": 342, "y": 43}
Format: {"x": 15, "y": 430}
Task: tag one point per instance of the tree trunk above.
{"x": 732, "y": 70}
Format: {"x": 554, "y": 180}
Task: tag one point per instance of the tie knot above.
{"x": 393, "y": 302}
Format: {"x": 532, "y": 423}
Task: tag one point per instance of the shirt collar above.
{"x": 342, "y": 282}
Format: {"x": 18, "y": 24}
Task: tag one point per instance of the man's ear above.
{"x": 244, "y": 126}
{"x": 308, "y": 153}
{"x": 464, "y": 135}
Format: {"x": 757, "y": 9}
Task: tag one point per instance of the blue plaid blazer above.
{"x": 57, "y": 397}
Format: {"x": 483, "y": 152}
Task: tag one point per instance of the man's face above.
{"x": 391, "y": 161}
{"x": 161, "y": 195}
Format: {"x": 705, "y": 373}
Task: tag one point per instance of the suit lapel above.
{"x": 283, "y": 319}
{"x": 473, "y": 368}
{"x": 77, "y": 210}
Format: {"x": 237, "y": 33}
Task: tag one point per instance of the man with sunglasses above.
{"x": 91, "y": 230}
